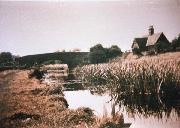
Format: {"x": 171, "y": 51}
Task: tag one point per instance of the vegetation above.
{"x": 144, "y": 75}
{"x": 99, "y": 54}
{"x": 176, "y": 42}
{"x": 7, "y": 61}
{"x": 36, "y": 105}
{"x": 5, "y": 57}
{"x": 28, "y": 103}
{"x": 113, "y": 51}
{"x": 71, "y": 58}
{"x": 36, "y": 73}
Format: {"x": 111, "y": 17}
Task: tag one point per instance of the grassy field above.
{"x": 147, "y": 74}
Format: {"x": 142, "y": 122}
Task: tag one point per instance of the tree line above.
{"x": 97, "y": 54}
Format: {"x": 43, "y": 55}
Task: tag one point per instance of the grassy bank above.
{"x": 148, "y": 74}
{"x": 25, "y": 102}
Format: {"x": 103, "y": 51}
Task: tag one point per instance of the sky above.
{"x": 47, "y": 26}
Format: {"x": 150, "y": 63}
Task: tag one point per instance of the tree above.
{"x": 176, "y": 42}
{"x": 6, "y": 57}
{"x": 114, "y": 51}
{"x": 96, "y": 48}
{"x": 97, "y": 54}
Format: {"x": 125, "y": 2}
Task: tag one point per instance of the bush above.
{"x": 37, "y": 74}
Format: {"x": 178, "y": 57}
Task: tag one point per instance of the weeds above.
{"x": 147, "y": 75}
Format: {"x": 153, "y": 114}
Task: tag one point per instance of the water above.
{"x": 140, "y": 111}
{"x": 83, "y": 98}
{"x": 150, "y": 111}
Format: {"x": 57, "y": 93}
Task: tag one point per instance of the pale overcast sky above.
{"x": 41, "y": 27}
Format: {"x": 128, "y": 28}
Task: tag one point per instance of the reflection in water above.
{"x": 140, "y": 110}
{"x": 83, "y": 98}
{"x": 146, "y": 105}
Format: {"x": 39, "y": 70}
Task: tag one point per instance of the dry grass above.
{"x": 117, "y": 121}
{"x": 26, "y": 98}
{"x": 143, "y": 75}
{"x": 27, "y": 103}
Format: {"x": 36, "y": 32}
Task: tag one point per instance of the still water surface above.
{"x": 137, "y": 112}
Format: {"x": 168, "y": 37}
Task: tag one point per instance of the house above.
{"x": 154, "y": 42}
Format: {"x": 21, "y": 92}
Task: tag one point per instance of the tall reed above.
{"x": 147, "y": 75}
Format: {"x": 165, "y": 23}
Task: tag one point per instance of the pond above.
{"x": 141, "y": 111}
{"x": 147, "y": 110}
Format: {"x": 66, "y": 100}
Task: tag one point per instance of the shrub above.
{"x": 37, "y": 74}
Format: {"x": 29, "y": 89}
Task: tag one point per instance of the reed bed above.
{"x": 145, "y": 75}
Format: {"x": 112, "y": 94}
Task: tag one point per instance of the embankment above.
{"x": 25, "y": 102}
